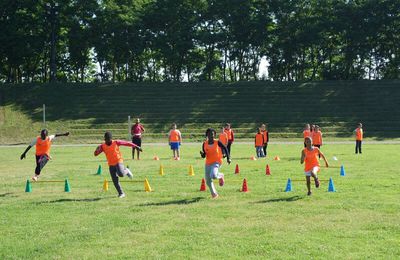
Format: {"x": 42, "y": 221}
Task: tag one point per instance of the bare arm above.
{"x": 98, "y": 150}
{"x": 303, "y": 157}
{"x": 202, "y": 152}
{"x": 26, "y": 150}
{"x": 64, "y": 134}
{"x": 129, "y": 144}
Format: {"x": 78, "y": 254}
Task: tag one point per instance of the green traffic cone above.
{"x": 67, "y": 187}
{"x": 28, "y": 187}
{"x": 99, "y": 170}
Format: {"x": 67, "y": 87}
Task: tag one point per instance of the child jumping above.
{"x": 359, "y": 137}
{"x": 259, "y": 143}
{"x": 114, "y": 159}
{"x": 309, "y": 156}
{"x": 212, "y": 150}
{"x": 175, "y": 141}
{"x": 42, "y": 144}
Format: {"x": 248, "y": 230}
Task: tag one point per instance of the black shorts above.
{"x": 137, "y": 140}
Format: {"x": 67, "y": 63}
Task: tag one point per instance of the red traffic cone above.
{"x": 253, "y": 158}
{"x": 156, "y": 158}
{"x": 267, "y": 170}
{"x": 237, "y": 169}
{"x": 203, "y": 185}
{"x": 244, "y": 186}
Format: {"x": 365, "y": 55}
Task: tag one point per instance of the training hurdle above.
{"x": 162, "y": 173}
{"x": 147, "y": 187}
{"x": 28, "y": 186}
{"x": 331, "y": 186}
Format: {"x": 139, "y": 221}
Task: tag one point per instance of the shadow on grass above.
{"x": 72, "y": 200}
{"x": 289, "y": 199}
{"x": 6, "y": 194}
{"x": 174, "y": 202}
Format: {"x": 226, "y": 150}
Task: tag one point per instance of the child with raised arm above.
{"x": 114, "y": 159}
{"x": 42, "y": 144}
{"x": 212, "y": 150}
{"x": 175, "y": 141}
{"x": 359, "y": 137}
{"x": 259, "y": 143}
{"x": 309, "y": 156}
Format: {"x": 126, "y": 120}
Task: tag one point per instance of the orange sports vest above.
{"x": 229, "y": 133}
{"x": 359, "y": 134}
{"x": 259, "y": 140}
{"x": 213, "y": 153}
{"x": 43, "y": 146}
{"x": 311, "y": 159}
{"x": 317, "y": 138}
{"x": 306, "y": 133}
{"x": 265, "y": 136}
{"x": 174, "y": 136}
{"x": 223, "y": 138}
{"x": 112, "y": 153}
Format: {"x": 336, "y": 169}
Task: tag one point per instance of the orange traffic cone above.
{"x": 253, "y": 158}
{"x": 156, "y": 158}
{"x": 237, "y": 169}
{"x": 244, "y": 186}
{"x": 277, "y": 158}
{"x": 267, "y": 170}
{"x": 203, "y": 185}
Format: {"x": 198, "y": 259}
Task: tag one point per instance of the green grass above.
{"x": 177, "y": 221}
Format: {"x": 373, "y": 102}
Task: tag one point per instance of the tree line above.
{"x": 198, "y": 40}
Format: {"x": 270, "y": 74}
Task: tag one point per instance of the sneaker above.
{"x": 309, "y": 193}
{"x": 122, "y": 195}
{"x": 214, "y": 196}
{"x": 221, "y": 180}
{"x": 317, "y": 183}
{"x": 35, "y": 178}
{"x": 129, "y": 174}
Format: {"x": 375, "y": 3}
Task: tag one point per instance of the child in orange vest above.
{"x": 309, "y": 156}
{"x": 317, "y": 137}
{"x": 259, "y": 143}
{"x": 223, "y": 138}
{"x": 175, "y": 141}
{"x": 213, "y": 151}
{"x": 231, "y": 137}
{"x": 114, "y": 159}
{"x": 306, "y": 132}
{"x": 264, "y": 130}
{"x": 359, "y": 137}
{"x": 42, "y": 144}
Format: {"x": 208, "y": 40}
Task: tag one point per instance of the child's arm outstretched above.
{"x": 129, "y": 144}
{"x": 64, "y": 134}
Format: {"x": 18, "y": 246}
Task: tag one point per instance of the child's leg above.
{"x": 308, "y": 179}
{"x": 115, "y": 179}
{"x": 262, "y": 154}
{"x": 209, "y": 169}
{"x": 314, "y": 175}
{"x": 265, "y": 149}
{"x": 138, "y": 153}
{"x": 122, "y": 170}
{"x": 356, "y": 146}
{"x": 41, "y": 161}
{"x": 133, "y": 153}
{"x": 177, "y": 153}
{"x": 359, "y": 146}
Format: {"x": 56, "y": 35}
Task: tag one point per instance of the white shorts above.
{"x": 314, "y": 170}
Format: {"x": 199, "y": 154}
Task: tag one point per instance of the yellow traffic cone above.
{"x": 105, "y": 185}
{"x": 191, "y": 171}
{"x": 147, "y": 187}
{"x": 161, "y": 170}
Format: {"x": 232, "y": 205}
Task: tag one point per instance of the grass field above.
{"x": 177, "y": 221}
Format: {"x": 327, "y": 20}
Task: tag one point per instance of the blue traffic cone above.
{"x": 288, "y": 185}
{"x": 342, "y": 171}
{"x": 331, "y": 187}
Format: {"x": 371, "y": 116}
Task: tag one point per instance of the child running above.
{"x": 175, "y": 141}
{"x": 309, "y": 156}
{"x": 264, "y": 130}
{"x": 114, "y": 159}
{"x": 359, "y": 137}
{"x": 306, "y": 133}
{"x": 42, "y": 144}
{"x": 136, "y": 131}
{"x": 317, "y": 137}
{"x": 212, "y": 150}
{"x": 259, "y": 143}
{"x": 231, "y": 137}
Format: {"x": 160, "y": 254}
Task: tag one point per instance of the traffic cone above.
{"x": 99, "y": 170}
{"x": 289, "y": 185}
{"x": 331, "y": 187}
{"x": 237, "y": 169}
{"x": 67, "y": 188}
{"x": 156, "y": 158}
{"x": 105, "y": 185}
{"x": 147, "y": 187}
{"x": 191, "y": 171}
{"x": 253, "y": 158}
{"x": 28, "y": 187}
{"x": 203, "y": 185}
{"x": 161, "y": 170}
{"x": 267, "y": 170}
{"x": 244, "y": 186}
{"x": 277, "y": 158}
{"x": 342, "y": 171}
